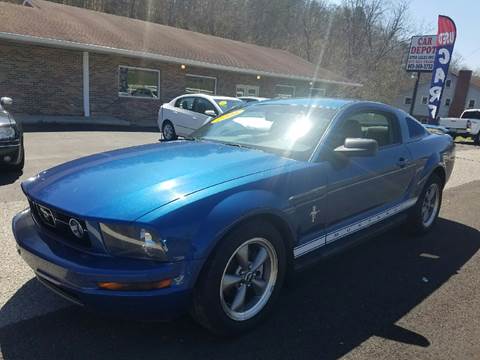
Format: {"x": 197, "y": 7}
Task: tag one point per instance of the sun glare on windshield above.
{"x": 299, "y": 128}
{"x": 289, "y": 130}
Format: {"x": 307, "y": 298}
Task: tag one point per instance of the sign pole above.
{"x": 414, "y": 96}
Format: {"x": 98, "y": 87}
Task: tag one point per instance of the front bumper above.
{"x": 74, "y": 275}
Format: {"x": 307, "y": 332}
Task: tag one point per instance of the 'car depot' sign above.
{"x": 422, "y": 53}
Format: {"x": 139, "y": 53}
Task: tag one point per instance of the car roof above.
{"x": 253, "y": 97}
{"x": 215, "y": 97}
{"x": 209, "y": 97}
{"x": 330, "y": 103}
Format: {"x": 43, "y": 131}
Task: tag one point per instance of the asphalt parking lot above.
{"x": 392, "y": 297}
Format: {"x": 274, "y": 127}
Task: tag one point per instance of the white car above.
{"x": 185, "y": 114}
{"x": 467, "y": 125}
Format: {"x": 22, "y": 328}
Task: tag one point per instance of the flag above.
{"x": 446, "y": 35}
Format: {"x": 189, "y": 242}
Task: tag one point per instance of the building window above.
{"x": 408, "y": 100}
{"x": 199, "y": 84}
{"x": 424, "y": 100}
{"x": 317, "y": 92}
{"x": 247, "y": 90}
{"x": 285, "y": 91}
{"x": 138, "y": 82}
{"x": 447, "y": 101}
{"x": 448, "y": 83}
{"x": 471, "y": 104}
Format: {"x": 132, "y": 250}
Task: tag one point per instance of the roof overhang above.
{"x": 58, "y": 43}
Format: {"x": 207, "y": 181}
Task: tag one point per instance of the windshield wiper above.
{"x": 236, "y": 145}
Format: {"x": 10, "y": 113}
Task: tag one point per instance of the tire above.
{"x": 418, "y": 222}
{"x": 224, "y": 281}
{"x": 168, "y": 131}
{"x": 476, "y": 139}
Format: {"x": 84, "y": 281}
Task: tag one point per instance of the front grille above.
{"x": 68, "y": 228}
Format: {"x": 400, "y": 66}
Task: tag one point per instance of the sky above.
{"x": 465, "y": 14}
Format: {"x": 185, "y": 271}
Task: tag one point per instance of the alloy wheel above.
{"x": 168, "y": 131}
{"x": 430, "y": 204}
{"x": 249, "y": 279}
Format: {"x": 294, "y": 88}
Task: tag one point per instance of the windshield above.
{"x": 228, "y": 104}
{"x": 289, "y": 130}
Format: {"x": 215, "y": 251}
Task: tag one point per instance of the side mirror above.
{"x": 358, "y": 147}
{"x": 6, "y": 101}
{"x": 210, "y": 113}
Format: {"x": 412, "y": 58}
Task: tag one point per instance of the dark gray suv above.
{"x": 12, "y": 153}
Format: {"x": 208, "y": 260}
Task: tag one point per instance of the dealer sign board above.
{"x": 422, "y": 53}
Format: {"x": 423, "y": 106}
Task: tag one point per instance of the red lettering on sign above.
{"x": 425, "y": 41}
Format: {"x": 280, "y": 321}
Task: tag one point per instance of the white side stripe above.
{"x": 310, "y": 246}
{"x": 350, "y": 229}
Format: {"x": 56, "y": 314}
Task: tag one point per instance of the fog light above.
{"x": 135, "y": 286}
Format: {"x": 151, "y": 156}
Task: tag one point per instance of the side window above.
{"x": 415, "y": 129}
{"x": 379, "y": 126}
{"x": 185, "y": 103}
{"x": 201, "y": 105}
{"x": 470, "y": 114}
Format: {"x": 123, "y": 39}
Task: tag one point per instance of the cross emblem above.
{"x": 314, "y": 213}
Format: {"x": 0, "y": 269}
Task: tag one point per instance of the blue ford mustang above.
{"x": 213, "y": 224}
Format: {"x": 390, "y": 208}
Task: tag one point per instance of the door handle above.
{"x": 402, "y": 162}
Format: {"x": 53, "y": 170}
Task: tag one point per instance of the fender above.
{"x": 475, "y": 127}
{"x": 232, "y": 211}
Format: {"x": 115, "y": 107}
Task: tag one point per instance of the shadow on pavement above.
{"x": 30, "y": 300}
{"x": 8, "y": 176}
{"x": 329, "y": 310}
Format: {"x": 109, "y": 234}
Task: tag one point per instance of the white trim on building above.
{"x": 86, "y": 84}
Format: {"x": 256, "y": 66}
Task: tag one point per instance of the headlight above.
{"x": 133, "y": 241}
{"x": 7, "y": 132}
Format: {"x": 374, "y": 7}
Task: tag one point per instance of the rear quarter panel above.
{"x": 428, "y": 153}
{"x": 475, "y": 127}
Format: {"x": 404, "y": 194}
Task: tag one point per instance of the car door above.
{"x": 183, "y": 114}
{"x": 200, "y": 106}
{"x": 360, "y": 185}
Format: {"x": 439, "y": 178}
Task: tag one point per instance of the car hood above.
{"x": 127, "y": 183}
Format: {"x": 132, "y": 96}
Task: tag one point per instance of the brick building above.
{"x": 462, "y": 91}
{"x": 63, "y": 60}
